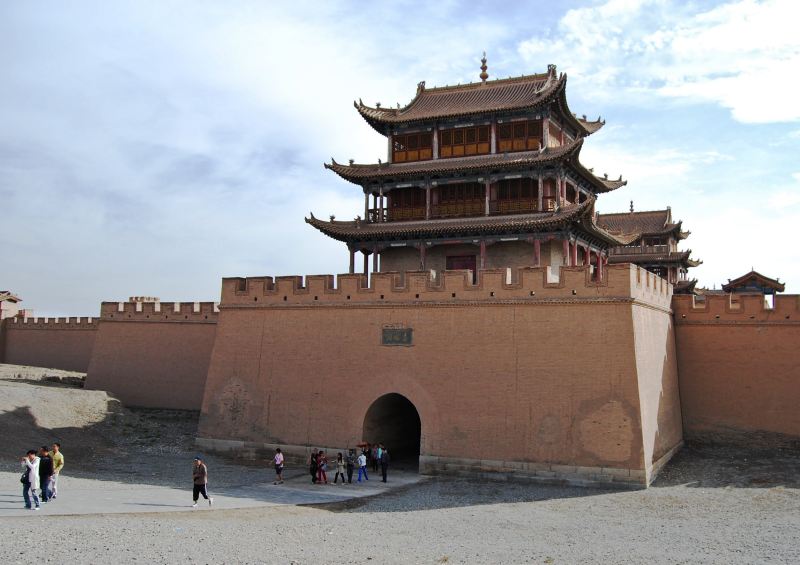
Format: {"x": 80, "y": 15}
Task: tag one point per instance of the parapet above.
{"x": 51, "y": 323}
{"x": 735, "y": 308}
{"x": 141, "y": 311}
{"x": 624, "y": 281}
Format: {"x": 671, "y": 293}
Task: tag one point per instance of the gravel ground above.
{"x": 711, "y": 505}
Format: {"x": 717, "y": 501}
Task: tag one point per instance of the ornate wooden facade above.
{"x": 650, "y": 239}
{"x": 488, "y": 170}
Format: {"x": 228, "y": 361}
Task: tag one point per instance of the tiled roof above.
{"x": 518, "y": 93}
{"x": 755, "y": 277}
{"x": 5, "y": 295}
{"x": 635, "y": 222}
{"x": 357, "y": 172}
{"x": 671, "y": 257}
{"x": 480, "y": 225}
{"x": 684, "y": 287}
{"x": 361, "y": 173}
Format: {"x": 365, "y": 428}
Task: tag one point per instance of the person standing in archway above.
{"x": 384, "y": 462}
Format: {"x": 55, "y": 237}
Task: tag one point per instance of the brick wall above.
{"x": 56, "y": 343}
{"x": 738, "y": 365}
{"x": 530, "y": 376}
{"x": 154, "y": 354}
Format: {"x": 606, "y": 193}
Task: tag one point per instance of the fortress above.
{"x": 504, "y": 329}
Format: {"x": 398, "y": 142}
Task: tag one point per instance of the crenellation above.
{"x": 160, "y": 311}
{"x": 528, "y": 283}
{"x": 57, "y": 322}
{"x": 742, "y": 308}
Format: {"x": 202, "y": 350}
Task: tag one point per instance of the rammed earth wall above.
{"x": 739, "y": 366}
{"x": 154, "y": 354}
{"x": 569, "y": 381}
{"x": 55, "y": 343}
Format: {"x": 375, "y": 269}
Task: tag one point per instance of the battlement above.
{"x": 55, "y": 322}
{"x": 624, "y": 281}
{"x": 145, "y": 311}
{"x": 735, "y": 308}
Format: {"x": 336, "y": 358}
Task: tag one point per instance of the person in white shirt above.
{"x": 278, "y": 461}
{"x": 362, "y": 467}
{"x": 30, "y": 479}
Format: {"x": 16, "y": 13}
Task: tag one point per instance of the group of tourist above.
{"x": 375, "y": 455}
{"x": 40, "y": 473}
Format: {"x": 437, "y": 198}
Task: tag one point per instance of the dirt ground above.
{"x": 711, "y": 504}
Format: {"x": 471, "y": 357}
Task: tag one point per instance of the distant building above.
{"x": 753, "y": 283}
{"x": 9, "y": 304}
{"x": 651, "y": 241}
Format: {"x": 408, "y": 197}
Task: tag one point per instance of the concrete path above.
{"x": 89, "y": 496}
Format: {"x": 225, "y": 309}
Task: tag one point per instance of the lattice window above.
{"x": 459, "y": 142}
{"x": 412, "y": 147}
{"x": 519, "y": 136}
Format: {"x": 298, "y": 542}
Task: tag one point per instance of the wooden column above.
{"x": 541, "y": 189}
{"x": 488, "y": 193}
{"x": 483, "y": 255}
{"x": 427, "y": 202}
{"x": 380, "y": 206}
{"x": 435, "y": 142}
{"x": 375, "y": 259}
{"x": 422, "y": 254}
{"x": 599, "y": 267}
{"x": 574, "y": 258}
{"x": 537, "y": 253}
{"x": 390, "y": 140}
{"x": 366, "y": 262}
{"x": 493, "y": 137}
{"x": 352, "y": 261}
{"x": 366, "y": 206}
{"x": 565, "y": 251}
{"x": 546, "y": 131}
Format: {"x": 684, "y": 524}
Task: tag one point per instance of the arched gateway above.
{"x": 394, "y": 421}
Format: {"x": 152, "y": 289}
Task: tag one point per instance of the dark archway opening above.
{"x": 394, "y": 421}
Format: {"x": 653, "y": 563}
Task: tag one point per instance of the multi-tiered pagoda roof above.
{"x": 479, "y": 163}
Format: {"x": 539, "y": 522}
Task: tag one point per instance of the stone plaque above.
{"x": 396, "y": 336}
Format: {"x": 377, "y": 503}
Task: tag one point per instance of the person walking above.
{"x": 200, "y": 479}
{"x": 58, "y": 464}
{"x": 362, "y": 467}
{"x": 312, "y": 466}
{"x": 322, "y": 467}
{"x": 384, "y": 462}
{"x": 30, "y": 479}
{"x": 340, "y": 466}
{"x": 351, "y": 464}
{"x": 45, "y": 472}
{"x": 278, "y": 460}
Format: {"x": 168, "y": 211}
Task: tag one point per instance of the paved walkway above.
{"x": 90, "y": 496}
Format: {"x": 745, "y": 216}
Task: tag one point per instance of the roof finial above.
{"x": 631, "y": 206}
{"x": 484, "y": 74}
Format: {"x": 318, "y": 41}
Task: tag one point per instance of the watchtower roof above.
{"x": 651, "y": 222}
{"x": 499, "y": 95}
{"x": 753, "y": 279}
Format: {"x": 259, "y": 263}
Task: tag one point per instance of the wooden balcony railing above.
{"x": 640, "y": 250}
{"x": 466, "y": 208}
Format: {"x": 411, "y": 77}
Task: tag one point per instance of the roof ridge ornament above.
{"x": 484, "y": 75}
{"x": 420, "y": 87}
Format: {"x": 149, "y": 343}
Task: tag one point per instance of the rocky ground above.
{"x": 711, "y": 504}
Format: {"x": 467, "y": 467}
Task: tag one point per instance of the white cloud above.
{"x": 741, "y": 55}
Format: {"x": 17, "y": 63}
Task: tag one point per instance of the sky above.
{"x": 149, "y": 149}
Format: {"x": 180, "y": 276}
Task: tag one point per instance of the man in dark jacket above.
{"x": 45, "y": 472}
{"x": 384, "y": 463}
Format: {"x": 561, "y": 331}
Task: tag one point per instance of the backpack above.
{"x": 24, "y": 478}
